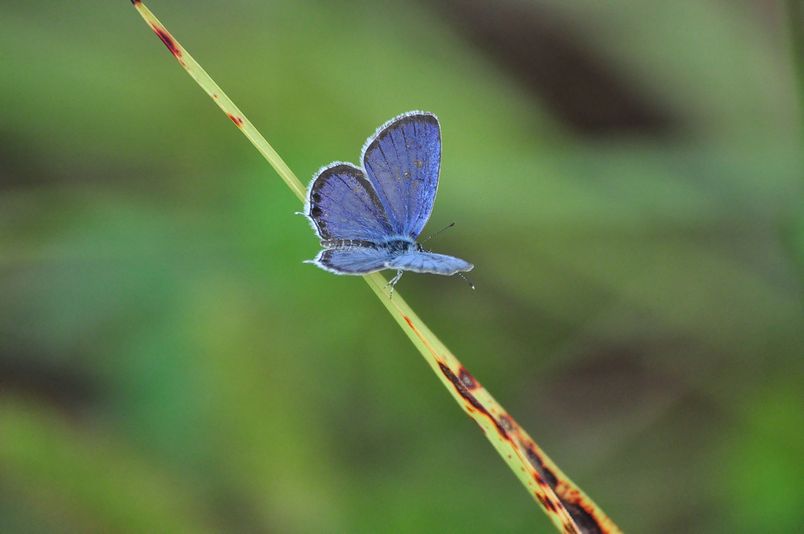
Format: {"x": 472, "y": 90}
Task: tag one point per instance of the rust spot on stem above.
{"x": 467, "y": 379}
{"x": 580, "y": 514}
{"x": 586, "y": 523}
{"x": 464, "y": 392}
{"x": 235, "y": 119}
{"x": 506, "y": 423}
{"x": 165, "y": 37}
{"x": 546, "y": 502}
{"x": 546, "y": 476}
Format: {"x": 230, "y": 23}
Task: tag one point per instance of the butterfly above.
{"x": 368, "y": 218}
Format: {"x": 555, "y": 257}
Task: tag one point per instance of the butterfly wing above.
{"x": 352, "y": 260}
{"x": 342, "y": 205}
{"x": 429, "y": 262}
{"x": 402, "y": 161}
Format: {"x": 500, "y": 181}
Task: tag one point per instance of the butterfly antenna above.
{"x": 465, "y": 279}
{"x": 429, "y": 237}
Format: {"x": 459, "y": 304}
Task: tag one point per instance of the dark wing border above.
{"x": 318, "y": 181}
{"x": 323, "y": 260}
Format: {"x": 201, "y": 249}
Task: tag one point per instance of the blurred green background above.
{"x": 626, "y": 177}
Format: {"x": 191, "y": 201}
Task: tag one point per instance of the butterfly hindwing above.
{"x": 352, "y": 260}
{"x": 429, "y": 262}
{"x": 402, "y": 161}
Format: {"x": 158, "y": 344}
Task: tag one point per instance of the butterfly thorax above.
{"x": 400, "y": 246}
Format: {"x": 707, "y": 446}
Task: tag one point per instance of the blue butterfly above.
{"x": 368, "y": 218}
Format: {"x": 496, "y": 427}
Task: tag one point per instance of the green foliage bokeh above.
{"x": 168, "y": 363}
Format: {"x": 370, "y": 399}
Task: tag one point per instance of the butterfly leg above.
{"x": 393, "y": 281}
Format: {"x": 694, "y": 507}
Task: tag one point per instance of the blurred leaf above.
{"x": 96, "y": 481}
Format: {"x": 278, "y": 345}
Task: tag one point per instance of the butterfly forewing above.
{"x": 344, "y": 206}
{"x": 402, "y": 161}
